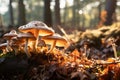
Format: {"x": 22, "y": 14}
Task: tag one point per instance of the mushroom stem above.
{"x": 37, "y": 38}
{"x": 8, "y": 46}
{"x": 85, "y": 50}
{"x": 34, "y": 47}
{"x": 4, "y": 51}
{"x": 16, "y": 51}
{"x": 52, "y": 47}
{"x": 114, "y": 49}
{"x": 26, "y": 50}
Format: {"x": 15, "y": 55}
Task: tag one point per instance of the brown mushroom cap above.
{"x": 60, "y": 41}
{"x": 3, "y": 45}
{"x": 15, "y": 40}
{"x": 26, "y": 35}
{"x": 9, "y": 35}
{"x": 37, "y": 28}
{"x": 36, "y": 23}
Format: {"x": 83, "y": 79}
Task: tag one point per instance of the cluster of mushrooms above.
{"x": 31, "y": 37}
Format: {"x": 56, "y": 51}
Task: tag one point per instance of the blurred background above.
{"x": 69, "y": 14}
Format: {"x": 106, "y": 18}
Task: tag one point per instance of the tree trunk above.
{"x": 1, "y": 24}
{"x": 74, "y": 14}
{"x": 65, "y": 12}
{"x": 57, "y": 12}
{"x": 110, "y": 8}
{"x": 21, "y": 13}
{"x": 11, "y": 12}
{"x": 99, "y": 10}
{"x": 47, "y": 13}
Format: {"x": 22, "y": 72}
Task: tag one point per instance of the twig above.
{"x": 107, "y": 63}
{"x": 114, "y": 49}
{"x": 67, "y": 37}
{"x": 63, "y": 31}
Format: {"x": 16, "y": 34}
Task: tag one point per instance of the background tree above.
{"x": 57, "y": 12}
{"x": 76, "y": 15}
{"x": 47, "y": 13}
{"x": 21, "y": 13}
{"x": 110, "y": 8}
{"x": 1, "y": 20}
{"x": 11, "y": 12}
{"x": 73, "y": 12}
{"x": 70, "y": 14}
{"x": 65, "y": 12}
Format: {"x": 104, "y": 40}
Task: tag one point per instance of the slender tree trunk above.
{"x": 11, "y": 12}
{"x": 74, "y": 14}
{"x": 99, "y": 10}
{"x": 1, "y": 24}
{"x": 47, "y": 13}
{"x": 21, "y": 13}
{"x": 57, "y": 12}
{"x": 110, "y": 8}
{"x": 65, "y": 12}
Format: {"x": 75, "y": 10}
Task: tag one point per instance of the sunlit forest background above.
{"x": 59, "y": 39}
{"x": 75, "y": 14}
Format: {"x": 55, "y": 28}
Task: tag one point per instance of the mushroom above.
{"x": 55, "y": 40}
{"x": 37, "y": 28}
{"x": 3, "y": 47}
{"x": 16, "y": 44}
{"x": 8, "y": 37}
{"x": 36, "y": 23}
{"x": 27, "y": 37}
{"x": 112, "y": 43}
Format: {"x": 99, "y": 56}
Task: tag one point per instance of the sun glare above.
{"x": 62, "y": 3}
{"x": 3, "y": 6}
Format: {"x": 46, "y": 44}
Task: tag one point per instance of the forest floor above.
{"x": 93, "y": 54}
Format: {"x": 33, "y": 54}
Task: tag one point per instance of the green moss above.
{"x": 8, "y": 54}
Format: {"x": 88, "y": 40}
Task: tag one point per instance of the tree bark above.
{"x": 99, "y": 10}
{"x": 1, "y": 24}
{"x": 47, "y": 13}
{"x": 57, "y": 12}
{"x": 21, "y": 13}
{"x": 11, "y": 12}
{"x": 110, "y": 8}
{"x": 74, "y": 14}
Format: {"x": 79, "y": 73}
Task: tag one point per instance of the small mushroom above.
{"x": 16, "y": 44}
{"x": 27, "y": 37}
{"x": 3, "y": 47}
{"x": 112, "y": 43}
{"x": 55, "y": 40}
{"x": 8, "y": 37}
{"x": 37, "y": 28}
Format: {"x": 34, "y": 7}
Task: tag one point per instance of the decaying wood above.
{"x": 104, "y": 32}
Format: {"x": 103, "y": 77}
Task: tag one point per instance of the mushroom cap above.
{"x": 26, "y": 35}
{"x": 15, "y": 40}
{"x": 11, "y": 34}
{"x": 36, "y": 23}
{"x": 3, "y": 45}
{"x": 60, "y": 41}
{"x": 35, "y": 26}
